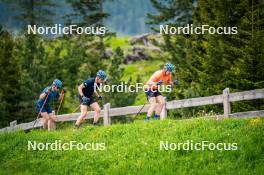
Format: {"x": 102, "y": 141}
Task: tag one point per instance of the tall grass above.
{"x": 134, "y": 149}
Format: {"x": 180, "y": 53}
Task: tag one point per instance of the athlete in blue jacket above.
{"x": 49, "y": 94}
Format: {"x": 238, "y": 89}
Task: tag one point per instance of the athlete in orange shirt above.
{"x": 154, "y": 96}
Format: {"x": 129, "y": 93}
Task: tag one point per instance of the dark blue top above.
{"x": 53, "y": 95}
{"x": 89, "y": 88}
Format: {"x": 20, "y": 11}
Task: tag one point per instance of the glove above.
{"x": 160, "y": 82}
{"x": 100, "y": 97}
{"x": 176, "y": 83}
{"x": 85, "y": 99}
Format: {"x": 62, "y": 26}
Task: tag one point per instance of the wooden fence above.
{"x": 226, "y": 98}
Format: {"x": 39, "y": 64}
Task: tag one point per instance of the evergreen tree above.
{"x": 174, "y": 12}
{"x": 9, "y": 77}
{"x": 30, "y": 53}
{"x": 234, "y": 61}
{"x": 206, "y": 64}
{"x": 89, "y": 13}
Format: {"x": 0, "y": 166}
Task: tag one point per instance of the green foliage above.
{"x": 115, "y": 42}
{"x": 9, "y": 71}
{"x": 86, "y": 13}
{"x": 233, "y": 60}
{"x": 32, "y": 62}
{"x": 142, "y": 69}
{"x": 206, "y": 64}
{"x": 135, "y": 149}
{"x": 116, "y": 73}
{"x": 32, "y": 12}
{"x": 173, "y": 12}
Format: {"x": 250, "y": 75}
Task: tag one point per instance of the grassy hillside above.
{"x": 134, "y": 149}
{"x": 122, "y": 42}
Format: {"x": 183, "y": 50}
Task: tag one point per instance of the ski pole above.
{"x": 70, "y": 113}
{"x": 75, "y": 109}
{"x": 141, "y": 109}
{"x": 44, "y": 103}
{"x": 176, "y": 82}
{"x": 60, "y": 104}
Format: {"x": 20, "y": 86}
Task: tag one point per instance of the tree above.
{"x": 173, "y": 12}
{"x": 9, "y": 77}
{"x": 208, "y": 63}
{"x": 29, "y": 53}
{"x": 89, "y": 13}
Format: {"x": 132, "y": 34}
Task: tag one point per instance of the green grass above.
{"x": 134, "y": 149}
{"x": 144, "y": 69}
{"x": 122, "y": 42}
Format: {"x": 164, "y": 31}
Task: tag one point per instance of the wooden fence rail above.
{"x": 226, "y": 98}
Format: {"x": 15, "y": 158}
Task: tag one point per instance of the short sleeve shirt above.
{"x": 53, "y": 95}
{"x": 89, "y": 87}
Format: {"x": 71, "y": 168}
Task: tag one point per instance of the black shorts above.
{"x": 91, "y": 101}
{"x": 152, "y": 93}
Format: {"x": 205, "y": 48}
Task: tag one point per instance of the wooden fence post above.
{"x": 13, "y": 123}
{"x": 106, "y": 114}
{"x": 163, "y": 114}
{"x": 226, "y": 102}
